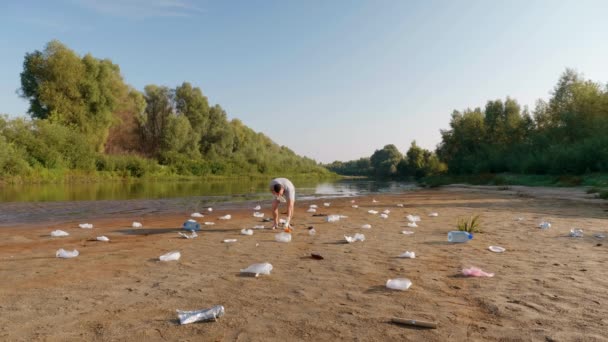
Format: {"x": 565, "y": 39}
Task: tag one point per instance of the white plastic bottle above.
{"x": 459, "y": 236}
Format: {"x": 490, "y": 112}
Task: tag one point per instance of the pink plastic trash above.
{"x": 476, "y": 272}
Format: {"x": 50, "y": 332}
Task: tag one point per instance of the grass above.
{"x": 470, "y": 225}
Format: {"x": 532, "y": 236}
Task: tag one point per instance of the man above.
{"x": 283, "y": 191}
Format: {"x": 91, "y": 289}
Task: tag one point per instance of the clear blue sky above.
{"x": 332, "y": 80}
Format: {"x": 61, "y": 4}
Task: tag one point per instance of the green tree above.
{"x": 385, "y": 160}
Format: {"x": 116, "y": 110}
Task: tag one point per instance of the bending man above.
{"x": 283, "y": 191}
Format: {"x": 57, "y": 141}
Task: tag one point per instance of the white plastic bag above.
{"x": 197, "y": 215}
{"x": 62, "y": 253}
{"x": 257, "y": 269}
{"x": 366, "y": 226}
{"x": 413, "y": 218}
{"x": 283, "y": 237}
{"x": 408, "y": 254}
{"x": 401, "y": 284}
{"x": 384, "y": 216}
{"x": 258, "y": 214}
{"x": 59, "y": 233}
{"x": 136, "y": 225}
{"x": 373, "y": 212}
{"x": 412, "y": 224}
{"x": 171, "y": 256}
{"x": 355, "y": 238}
{"x": 246, "y": 231}
{"x": 226, "y": 217}
{"x": 191, "y": 236}
{"x": 311, "y": 210}
{"x": 103, "y": 238}
{"x": 86, "y": 225}
{"x": 229, "y": 240}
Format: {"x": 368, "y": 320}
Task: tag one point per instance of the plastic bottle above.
{"x": 186, "y": 317}
{"x": 171, "y": 256}
{"x": 333, "y": 218}
{"x": 399, "y": 284}
{"x": 459, "y": 236}
{"x": 191, "y": 225}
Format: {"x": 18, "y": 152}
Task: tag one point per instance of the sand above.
{"x": 547, "y": 286}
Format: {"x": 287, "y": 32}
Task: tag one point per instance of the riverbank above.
{"x": 547, "y": 286}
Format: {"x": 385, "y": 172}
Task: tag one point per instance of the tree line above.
{"x": 83, "y": 116}
{"x": 565, "y": 135}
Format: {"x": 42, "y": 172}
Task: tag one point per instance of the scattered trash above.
{"x": 257, "y": 269}
{"x": 357, "y": 237}
{"x": 366, "y": 226}
{"x": 475, "y": 272}
{"x": 333, "y": 218}
{"x": 316, "y": 256}
{"x": 415, "y": 323}
{"x": 326, "y": 204}
{"x": 257, "y": 207}
{"x": 229, "y": 240}
{"x": 246, "y": 232}
{"x": 209, "y": 223}
{"x": 212, "y": 314}
{"x": 102, "y": 238}
{"x": 496, "y": 249}
{"x": 171, "y": 256}
{"x": 62, "y": 253}
{"x": 197, "y": 215}
{"x": 433, "y": 214}
{"x": 544, "y": 225}
{"x": 401, "y": 284}
{"x": 576, "y": 232}
{"x": 412, "y": 224}
{"x": 258, "y": 214}
{"x": 191, "y": 236}
{"x": 86, "y": 225}
{"x": 599, "y": 236}
{"x": 343, "y": 216}
{"x": 459, "y": 236}
{"x": 136, "y": 225}
{"x": 311, "y": 231}
{"x": 191, "y": 225}
{"x": 373, "y": 212}
{"x": 355, "y": 206}
{"x": 311, "y": 210}
{"x": 413, "y": 218}
{"x": 314, "y": 206}
{"x": 386, "y": 212}
{"x": 374, "y": 201}
{"x": 408, "y": 254}
{"x": 283, "y": 237}
{"x": 407, "y": 232}
{"x": 267, "y": 219}
{"x": 258, "y": 227}
{"x": 58, "y": 233}
{"x": 209, "y": 209}
{"x": 400, "y": 205}
{"x": 226, "y": 217}
{"x": 384, "y": 216}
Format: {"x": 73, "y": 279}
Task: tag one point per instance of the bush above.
{"x": 470, "y": 225}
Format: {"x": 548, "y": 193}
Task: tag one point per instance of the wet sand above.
{"x": 547, "y": 287}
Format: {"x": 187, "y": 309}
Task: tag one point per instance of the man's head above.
{"x": 277, "y": 190}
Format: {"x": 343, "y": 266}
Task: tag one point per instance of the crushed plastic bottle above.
{"x": 366, "y": 226}
{"x": 459, "y": 236}
{"x": 246, "y": 231}
{"x": 62, "y": 253}
{"x": 86, "y": 225}
{"x": 211, "y": 314}
{"x": 191, "y": 225}
{"x": 333, "y": 218}
{"x": 283, "y": 237}
{"x": 576, "y": 232}
{"x": 103, "y": 238}
{"x": 408, "y": 254}
{"x": 401, "y": 284}
{"x": 257, "y": 269}
{"x": 59, "y": 233}
{"x": 171, "y": 256}
{"x": 136, "y": 225}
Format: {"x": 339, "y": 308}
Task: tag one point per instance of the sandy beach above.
{"x": 547, "y": 286}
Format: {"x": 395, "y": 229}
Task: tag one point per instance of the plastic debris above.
{"x": 226, "y": 217}
{"x": 374, "y": 201}
{"x": 475, "y": 272}
{"x": 229, "y": 240}
{"x": 401, "y": 284}
{"x": 311, "y": 210}
{"x": 209, "y": 209}
{"x": 459, "y": 236}
{"x": 384, "y": 216}
{"x": 386, "y": 212}
{"x": 433, "y": 214}
{"x": 412, "y": 224}
{"x": 191, "y": 225}
{"x": 599, "y": 236}
{"x": 197, "y": 215}
{"x": 283, "y": 237}
{"x": 209, "y": 223}
{"x": 191, "y": 236}
{"x": 355, "y": 206}
{"x": 400, "y": 205}
{"x": 576, "y": 232}
{"x": 171, "y": 256}
{"x": 257, "y": 207}
{"x": 258, "y": 214}
{"x": 366, "y": 226}
{"x": 544, "y": 225}
{"x": 519, "y": 219}
{"x": 246, "y": 232}
{"x": 496, "y": 249}
{"x": 311, "y": 231}
{"x": 326, "y": 204}
{"x": 373, "y": 212}
{"x": 102, "y": 238}
{"x": 357, "y": 237}
{"x": 86, "y": 225}
{"x": 332, "y": 218}
{"x": 314, "y": 206}
{"x": 136, "y": 225}
{"x": 62, "y": 253}
{"x": 258, "y": 227}
{"x": 407, "y": 232}
{"x": 211, "y": 314}
{"x": 257, "y": 269}
{"x": 413, "y": 218}
{"x": 408, "y": 254}
{"x": 59, "y": 233}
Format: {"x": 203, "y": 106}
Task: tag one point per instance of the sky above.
{"x": 331, "y": 80}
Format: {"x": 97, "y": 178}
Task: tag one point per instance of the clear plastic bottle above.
{"x": 333, "y": 218}
{"x": 192, "y": 225}
{"x": 459, "y": 236}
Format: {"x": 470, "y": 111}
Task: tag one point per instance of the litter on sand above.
{"x": 258, "y": 227}
{"x": 356, "y": 237}
{"x": 384, "y": 216}
{"x": 316, "y": 256}
{"x": 433, "y": 214}
{"x": 226, "y": 217}
{"x": 412, "y": 224}
{"x": 408, "y": 254}
{"x": 62, "y": 253}
{"x": 103, "y": 238}
{"x": 171, "y": 256}
{"x": 407, "y": 232}
{"x": 413, "y": 218}
{"x": 59, "y": 233}
{"x": 246, "y": 232}
{"x": 209, "y": 209}
{"x": 283, "y": 237}
{"x": 401, "y": 284}
{"x": 257, "y": 269}
{"x": 311, "y": 210}
{"x": 355, "y": 206}
{"x": 576, "y": 232}
{"x": 414, "y": 322}
{"x": 386, "y": 212}
{"x": 496, "y": 249}
{"x": 258, "y": 214}
{"x": 136, "y": 225}
{"x": 211, "y": 314}
{"x": 314, "y": 206}
{"x": 86, "y": 225}
{"x": 400, "y": 205}
{"x": 229, "y": 240}
{"x": 476, "y": 272}
{"x": 209, "y": 223}
{"x": 366, "y": 226}
{"x": 191, "y": 236}
{"x": 197, "y": 215}
{"x": 373, "y": 212}
{"x": 326, "y": 204}
{"x": 257, "y": 207}
{"x": 544, "y": 225}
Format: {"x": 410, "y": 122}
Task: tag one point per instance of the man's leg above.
{"x": 290, "y": 205}
{"x": 275, "y": 213}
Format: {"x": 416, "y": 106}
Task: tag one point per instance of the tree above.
{"x": 385, "y": 161}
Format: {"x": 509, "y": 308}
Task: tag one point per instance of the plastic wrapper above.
{"x": 401, "y": 284}
{"x": 59, "y": 233}
{"x": 171, "y": 256}
{"x": 283, "y": 237}
{"x": 103, "y": 238}
{"x": 62, "y": 253}
{"x": 257, "y": 269}
{"x": 211, "y": 314}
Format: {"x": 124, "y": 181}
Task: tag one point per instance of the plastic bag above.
{"x": 413, "y": 218}
{"x": 62, "y": 253}
{"x": 412, "y": 224}
{"x": 103, "y": 238}
{"x": 366, "y": 226}
{"x": 136, "y": 225}
{"x": 401, "y": 284}
{"x": 373, "y": 212}
{"x": 246, "y": 231}
{"x": 283, "y": 237}
{"x": 476, "y": 272}
{"x": 355, "y": 238}
{"x": 384, "y": 216}
{"x": 407, "y": 232}
{"x": 226, "y": 217}
{"x": 576, "y": 232}
{"x": 258, "y": 214}
{"x": 191, "y": 236}
{"x": 211, "y": 314}
{"x": 171, "y": 256}
{"x": 86, "y": 225}
{"x": 59, "y": 233}
{"x": 433, "y": 214}
{"x": 257, "y": 269}
{"x": 408, "y": 254}
{"x": 197, "y": 215}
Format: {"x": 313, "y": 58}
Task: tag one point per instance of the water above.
{"x": 69, "y": 202}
